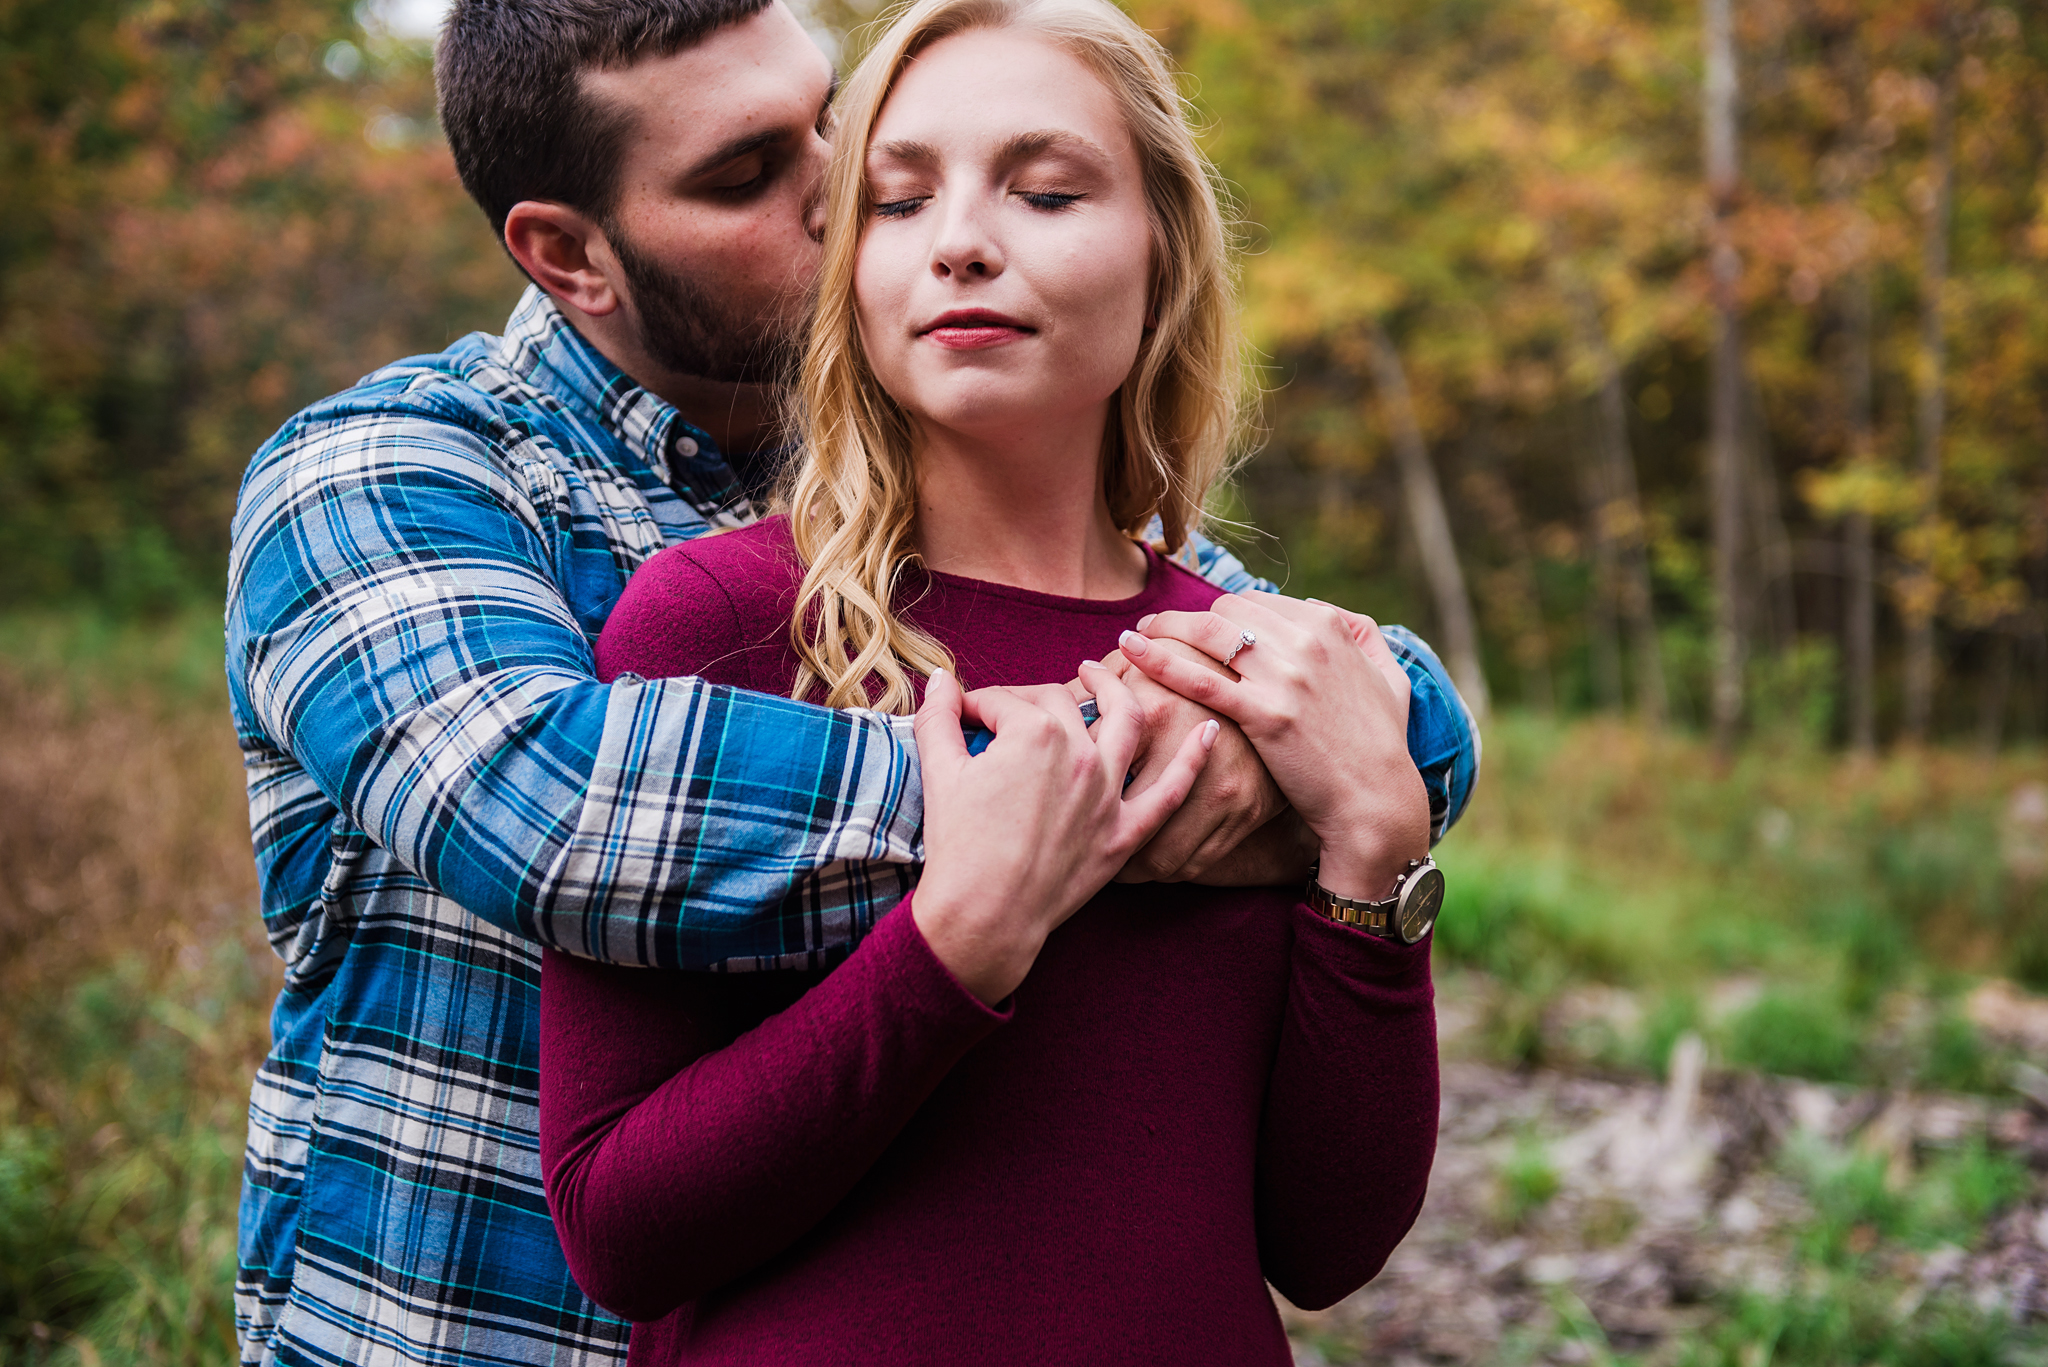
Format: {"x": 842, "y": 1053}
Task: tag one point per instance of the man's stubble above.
{"x": 689, "y": 330}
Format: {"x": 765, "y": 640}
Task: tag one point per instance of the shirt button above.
{"x": 686, "y": 447}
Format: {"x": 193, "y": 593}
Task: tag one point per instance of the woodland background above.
{"x": 1772, "y": 435}
{"x": 1677, "y": 368}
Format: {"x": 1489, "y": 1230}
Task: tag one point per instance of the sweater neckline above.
{"x": 1156, "y": 571}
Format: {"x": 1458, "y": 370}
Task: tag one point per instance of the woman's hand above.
{"x": 1234, "y": 829}
{"x": 1321, "y": 696}
{"x": 1019, "y": 836}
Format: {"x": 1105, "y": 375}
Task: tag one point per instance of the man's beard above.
{"x": 689, "y": 331}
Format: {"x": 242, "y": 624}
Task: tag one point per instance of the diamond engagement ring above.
{"x": 1244, "y": 638}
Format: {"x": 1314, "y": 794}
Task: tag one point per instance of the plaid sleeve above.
{"x": 397, "y": 626}
{"x": 1443, "y": 737}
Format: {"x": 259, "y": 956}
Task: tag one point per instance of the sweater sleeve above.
{"x": 681, "y": 1149}
{"x": 1349, "y": 1130}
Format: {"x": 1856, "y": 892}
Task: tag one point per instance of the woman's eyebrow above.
{"x": 909, "y": 152}
{"x": 1024, "y": 146}
{"x": 1015, "y": 148}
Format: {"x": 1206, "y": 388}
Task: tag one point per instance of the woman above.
{"x": 1034, "y": 1116}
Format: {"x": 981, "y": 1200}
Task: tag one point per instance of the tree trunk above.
{"x": 1857, "y": 162}
{"x": 1602, "y": 633}
{"x": 1859, "y": 627}
{"x": 1514, "y": 593}
{"x": 1773, "y": 590}
{"x": 1724, "y": 452}
{"x": 1431, "y": 526}
{"x": 1997, "y": 689}
{"x": 1922, "y": 592}
{"x": 1618, "y": 522}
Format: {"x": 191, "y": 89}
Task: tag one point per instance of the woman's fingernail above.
{"x": 1132, "y": 643}
{"x": 1146, "y": 620}
{"x": 937, "y": 674}
{"x": 1210, "y": 729}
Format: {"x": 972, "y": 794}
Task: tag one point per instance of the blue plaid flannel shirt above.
{"x": 438, "y": 786}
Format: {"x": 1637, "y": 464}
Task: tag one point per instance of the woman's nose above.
{"x": 965, "y": 246}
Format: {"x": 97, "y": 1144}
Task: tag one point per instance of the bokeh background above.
{"x": 1680, "y": 369}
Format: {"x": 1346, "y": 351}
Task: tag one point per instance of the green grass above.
{"x": 1525, "y": 1183}
{"x": 134, "y": 990}
{"x": 117, "y": 1195}
{"x": 176, "y": 659}
{"x": 1844, "y": 1321}
{"x": 1596, "y": 854}
{"x": 1796, "y": 1033}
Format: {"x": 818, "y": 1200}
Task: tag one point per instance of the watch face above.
{"x": 1421, "y": 899}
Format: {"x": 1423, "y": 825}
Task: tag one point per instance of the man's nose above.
{"x": 818, "y": 158}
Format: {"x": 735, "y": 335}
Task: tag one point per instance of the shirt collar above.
{"x": 544, "y": 350}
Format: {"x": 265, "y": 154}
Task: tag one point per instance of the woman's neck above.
{"x": 1027, "y": 511}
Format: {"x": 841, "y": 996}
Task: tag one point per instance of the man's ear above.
{"x": 566, "y": 253}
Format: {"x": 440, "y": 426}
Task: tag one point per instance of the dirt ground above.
{"x": 1657, "y": 1198}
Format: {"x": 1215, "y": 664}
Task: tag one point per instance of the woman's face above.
{"x": 1003, "y": 277}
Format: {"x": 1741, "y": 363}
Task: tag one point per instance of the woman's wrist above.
{"x": 986, "y": 947}
{"x": 1363, "y": 875}
{"x": 1363, "y": 856}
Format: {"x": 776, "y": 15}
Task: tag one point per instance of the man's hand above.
{"x": 1231, "y": 831}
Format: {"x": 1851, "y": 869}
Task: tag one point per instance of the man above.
{"x": 438, "y": 784}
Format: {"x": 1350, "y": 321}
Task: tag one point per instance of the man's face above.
{"x": 717, "y": 198}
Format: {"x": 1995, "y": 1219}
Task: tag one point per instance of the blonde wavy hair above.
{"x": 852, "y": 495}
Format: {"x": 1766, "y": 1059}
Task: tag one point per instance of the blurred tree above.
{"x": 1930, "y": 406}
{"x": 217, "y": 211}
{"x": 1428, "y": 522}
{"x": 1623, "y": 568}
{"x": 1725, "y": 455}
{"x": 1513, "y": 189}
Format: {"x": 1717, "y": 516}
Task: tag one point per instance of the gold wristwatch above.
{"x": 1406, "y": 916}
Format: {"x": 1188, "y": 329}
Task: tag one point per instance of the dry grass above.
{"x": 123, "y": 831}
{"x": 133, "y": 988}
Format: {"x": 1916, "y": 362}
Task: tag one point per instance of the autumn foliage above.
{"x": 217, "y": 210}
{"x": 1516, "y": 193}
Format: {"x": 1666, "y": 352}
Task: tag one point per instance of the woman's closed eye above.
{"x": 1052, "y": 201}
{"x": 1048, "y": 201}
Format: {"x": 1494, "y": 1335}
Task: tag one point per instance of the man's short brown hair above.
{"x": 509, "y": 77}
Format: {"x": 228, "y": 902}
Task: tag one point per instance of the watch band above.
{"x": 1377, "y": 918}
{"x": 1374, "y": 918}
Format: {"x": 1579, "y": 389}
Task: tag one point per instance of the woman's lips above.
{"x": 975, "y": 330}
{"x": 975, "y": 337}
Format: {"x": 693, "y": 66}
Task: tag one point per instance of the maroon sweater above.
{"x": 1195, "y": 1090}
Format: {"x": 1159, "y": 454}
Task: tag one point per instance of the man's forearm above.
{"x": 727, "y": 827}
{"x": 1443, "y": 736}
{"x": 401, "y": 650}
{"x": 670, "y": 823}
